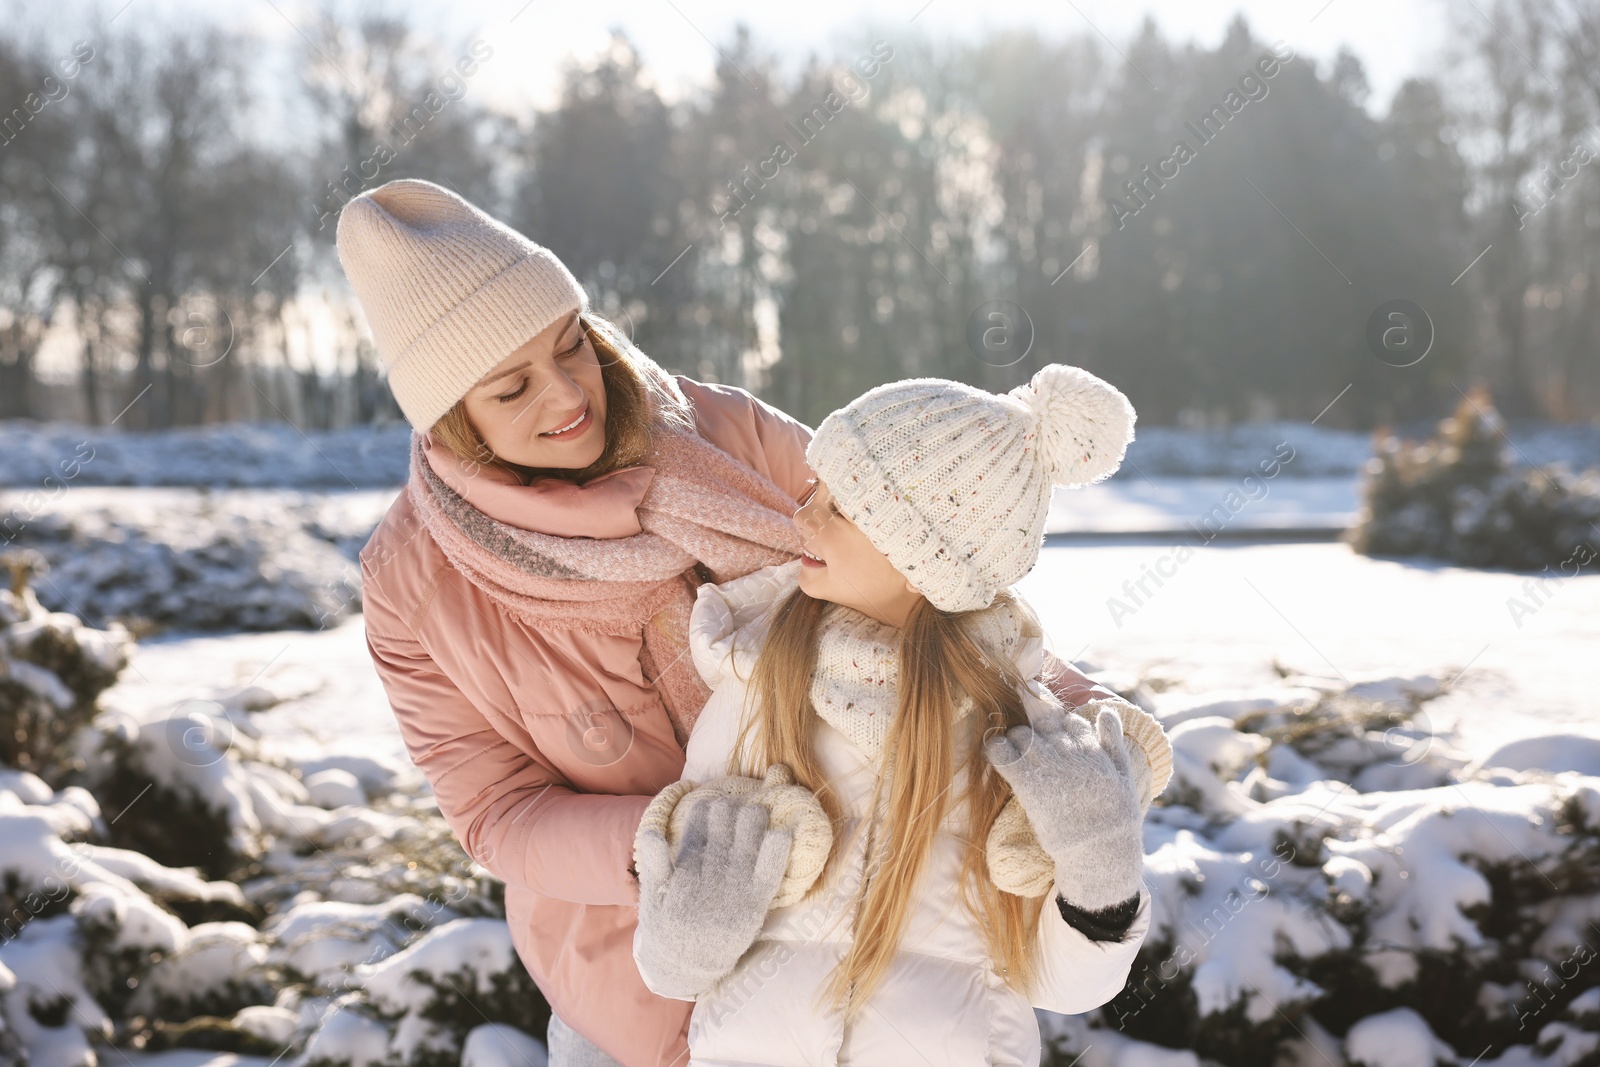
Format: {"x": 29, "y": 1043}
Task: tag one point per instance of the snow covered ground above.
{"x": 1519, "y": 658}
{"x": 1211, "y": 632}
{"x": 1231, "y": 630}
{"x": 1206, "y": 507}
{"x": 322, "y": 694}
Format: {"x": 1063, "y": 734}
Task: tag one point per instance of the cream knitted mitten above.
{"x": 789, "y": 807}
{"x": 699, "y": 913}
{"x": 1081, "y": 795}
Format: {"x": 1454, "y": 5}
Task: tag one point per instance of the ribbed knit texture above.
{"x": 853, "y": 688}
{"x": 858, "y": 668}
{"x": 447, "y": 291}
{"x": 953, "y": 483}
{"x": 789, "y": 806}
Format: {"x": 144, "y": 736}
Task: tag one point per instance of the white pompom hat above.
{"x": 953, "y": 483}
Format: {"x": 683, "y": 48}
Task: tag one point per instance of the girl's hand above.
{"x": 699, "y": 915}
{"x": 1076, "y": 783}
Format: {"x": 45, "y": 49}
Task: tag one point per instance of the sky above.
{"x": 532, "y": 38}
{"x": 1393, "y": 40}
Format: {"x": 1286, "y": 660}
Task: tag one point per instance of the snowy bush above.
{"x": 52, "y": 668}
{"x": 1334, "y": 884}
{"x": 1458, "y": 497}
{"x": 429, "y": 997}
{"x": 173, "y": 885}
{"x": 193, "y": 567}
{"x": 230, "y": 454}
{"x": 107, "y": 944}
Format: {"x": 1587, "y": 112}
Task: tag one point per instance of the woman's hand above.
{"x": 1080, "y": 792}
{"x": 698, "y": 916}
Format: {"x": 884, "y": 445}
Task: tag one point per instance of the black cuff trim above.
{"x": 1107, "y": 924}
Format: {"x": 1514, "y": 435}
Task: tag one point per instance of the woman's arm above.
{"x": 1070, "y": 686}
{"x": 751, "y": 430}
{"x": 512, "y": 812}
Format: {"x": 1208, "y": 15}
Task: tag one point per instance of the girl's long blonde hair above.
{"x": 638, "y": 405}
{"x": 939, "y": 662}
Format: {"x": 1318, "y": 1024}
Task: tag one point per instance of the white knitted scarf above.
{"x": 858, "y": 666}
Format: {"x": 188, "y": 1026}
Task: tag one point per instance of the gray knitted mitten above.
{"x": 699, "y": 915}
{"x": 1076, "y": 785}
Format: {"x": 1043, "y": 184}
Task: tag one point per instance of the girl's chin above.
{"x": 813, "y": 585}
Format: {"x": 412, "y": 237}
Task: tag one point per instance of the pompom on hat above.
{"x": 953, "y": 483}
{"x": 447, "y": 291}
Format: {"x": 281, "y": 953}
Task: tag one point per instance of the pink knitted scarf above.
{"x": 702, "y": 506}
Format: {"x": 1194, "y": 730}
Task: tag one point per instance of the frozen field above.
{"x": 1211, "y": 632}
{"x": 1229, "y": 612}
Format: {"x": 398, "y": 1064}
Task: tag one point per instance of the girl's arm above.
{"x": 1077, "y": 785}
{"x": 1076, "y": 974}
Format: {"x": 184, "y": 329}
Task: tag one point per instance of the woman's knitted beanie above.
{"x": 447, "y": 291}
{"x": 953, "y": 483}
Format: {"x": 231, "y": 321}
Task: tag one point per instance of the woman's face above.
{"x": 544, "y": 405}
{"x": 840, "y": 564}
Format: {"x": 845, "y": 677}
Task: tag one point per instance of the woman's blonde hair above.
{"x": 638, "y": 405}
{"x": 939, "y": 662}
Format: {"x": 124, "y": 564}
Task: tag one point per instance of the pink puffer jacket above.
{"x": 538, "y": 777}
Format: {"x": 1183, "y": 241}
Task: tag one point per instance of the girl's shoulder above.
{"x": 1010, "y": 630}
{"x": 729, "y": 621}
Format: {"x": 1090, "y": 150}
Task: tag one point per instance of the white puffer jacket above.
{"x": 942, "y": 1002}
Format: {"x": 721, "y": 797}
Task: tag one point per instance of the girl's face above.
{"x": 840, "y": 564}
{"x": 544, "y": 405}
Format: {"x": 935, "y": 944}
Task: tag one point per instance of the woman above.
{"x": 527, "y": 597}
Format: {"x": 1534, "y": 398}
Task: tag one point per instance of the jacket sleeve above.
{"x": 1076, "y": 974}
{"x": 513, "y": 813}
{"x": 749, "y": 429}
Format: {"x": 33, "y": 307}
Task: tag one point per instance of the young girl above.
{"x": 891, "y": 841}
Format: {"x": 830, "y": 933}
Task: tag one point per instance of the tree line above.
{"x": 1223, "y": 232}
